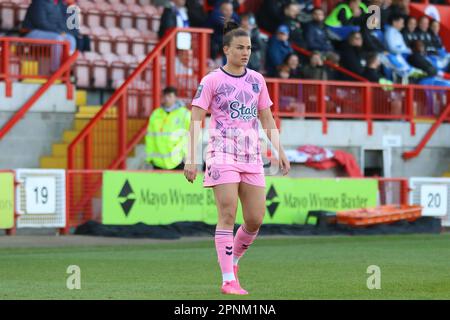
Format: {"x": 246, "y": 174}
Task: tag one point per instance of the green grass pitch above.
{"x": 412, "y": 267}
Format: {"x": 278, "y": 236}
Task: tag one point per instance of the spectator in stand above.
{"x": 399, "y": 7}
{"x": 423, "y": 34}
{"x": 248, "y": 23}
{"x": 432, "y": 77}
{"x": 283, "y": 71}
{"x": 372, "y": 70}
{"x": 237, "y": 4}
{"x": 436, "y": 41}
{"x": 277, "y": 50}
{"x": 398, "y": 50}
{"x": 315, "y": 69}
{"x": 174, "y": 16}
{"x": 385, "y": 12}
{"x": 409, "y": 32}
{"x": 291, "y": 13}
{"x": 45, "y": 20}
{"x": 270, "y": 15}
{"x": 83, "y": 42}
{"x": 420, "y": 60}
{"x": 222, "y": 13}
{"x": 293, "y": 62}
{"x": 393, "y": 38}
{"x": 332, "y": 73}
{"x": 196, "y": 13}
{"x": 346, "y": 18}
{"x": 372, "y": 37}
{"x": 316, "y": 35}
{"x": 352, "y": 55}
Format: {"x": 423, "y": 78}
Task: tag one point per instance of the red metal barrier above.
{"x": 111, "y": 135}
{"x": 23, "y": 58}
{"x": 39, "y": 93}
{"x": 326, "y": 100}
{"x": 84, "y": 195}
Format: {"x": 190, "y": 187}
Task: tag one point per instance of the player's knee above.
{"x": 228, "y": 213}
{"x": 253, "y": 224}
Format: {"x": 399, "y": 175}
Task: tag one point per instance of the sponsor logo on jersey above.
{"x": 243, "y": 112}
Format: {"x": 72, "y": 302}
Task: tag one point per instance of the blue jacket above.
{"x": 316, "y": 37}
{"x": 395, "y": 42}
{"x": 45, "y": 15}
{"x": 277, "y": 51}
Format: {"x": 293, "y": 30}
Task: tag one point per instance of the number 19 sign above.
{"x": 40, "y": 195}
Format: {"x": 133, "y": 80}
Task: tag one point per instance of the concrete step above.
{"x": 87, "y": 112}
{"x": 81, "y": 97}
{"x": 69, "y": 135}
{"x": 53, "y": 162}
{"x": 137, "y": 162}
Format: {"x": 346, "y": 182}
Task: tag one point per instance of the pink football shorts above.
{"x": 216, "y": 174}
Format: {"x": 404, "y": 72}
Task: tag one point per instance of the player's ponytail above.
{"x": 230, "y": 30}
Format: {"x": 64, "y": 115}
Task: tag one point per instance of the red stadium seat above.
{"x": 7, "y": 14}
{"x": 100, "y": 74}
{"x": 82, "y": 73}
{"x": 122, "y": 45}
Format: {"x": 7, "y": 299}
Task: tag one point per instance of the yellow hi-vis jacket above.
{"x": 167, "y": 137}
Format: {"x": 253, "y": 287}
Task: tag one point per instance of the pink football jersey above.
{"x": 234, "y": 102}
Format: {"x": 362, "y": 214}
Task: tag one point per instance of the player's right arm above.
{"x": 193, "y": 159}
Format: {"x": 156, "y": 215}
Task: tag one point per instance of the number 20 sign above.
{"x": 40, "y": 195}
{"x": 433, "y": 199}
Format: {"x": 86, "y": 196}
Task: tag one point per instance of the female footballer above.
{"x": 237, "y": 97}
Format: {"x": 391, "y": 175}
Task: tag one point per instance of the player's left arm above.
{"x": 271, "y": 130}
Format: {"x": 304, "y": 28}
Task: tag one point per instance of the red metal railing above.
{"x": 326, "y": 100}
{"x": 111, "y": 135}
{"x": 414, "y": 153}
{"x": 39, "y": 93}
{"x": 81, "y": 182}
{"x": 23, "y": 58}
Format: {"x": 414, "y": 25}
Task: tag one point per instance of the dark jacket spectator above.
{"x": 436, "y": 41}
{"x": 248, "y": 23}
{"x": 352, "y": 57}
{"x": 424, "y": 35}
{"x": 175, "y": 15}
{"x": 45, "y": 15}
{"x": 409, "y": 31}
{"x": 291, "y": 13}
{"x": 277, "y": 50}
{"x": 83, "y": 42}
{"x": 371, "y": 40}
{"x": 197, "y": 15}
{"x": 419, "y": 59}
{"x": 316, "y": 35}
{"x": 236, "y": 3}
{"x": 399, "y": 7}
{"x": 315, "y": 69}
{"x": 216, "y": 21}
{"x": 372, "y": 69}
{"x": 293, "y": 62}
{"x": 270, "y": 15}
